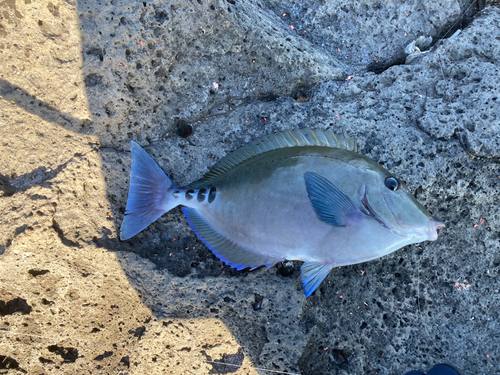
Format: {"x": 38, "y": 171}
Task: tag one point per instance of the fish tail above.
{"x": 149, "y": 194}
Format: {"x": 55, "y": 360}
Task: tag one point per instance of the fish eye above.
{"x": 392, "y": 183}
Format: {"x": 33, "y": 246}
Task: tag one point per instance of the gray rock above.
{"x": 152, "y": 65}
{"x": 151, "y": 70}
{"x": 469, "y": 78}
{"x": 370, "y": 34}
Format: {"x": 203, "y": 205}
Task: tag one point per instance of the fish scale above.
{"x": 304, "y": 195}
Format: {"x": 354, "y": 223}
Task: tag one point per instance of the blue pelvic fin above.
{"x": 147, "y": 197}
{"x": 225, "y": 249}
{"x": 312, "y": 274}
{"x": 331, "y": 205}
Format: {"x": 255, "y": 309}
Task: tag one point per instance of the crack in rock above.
{"x": 39, "y": 176}
{"x": 60, "y": 233}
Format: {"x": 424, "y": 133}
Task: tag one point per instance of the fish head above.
{"x": 389, "y": 201}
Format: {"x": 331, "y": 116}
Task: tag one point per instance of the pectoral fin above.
{"x": 312, "y": 274}
{"x": 329, "y": 202}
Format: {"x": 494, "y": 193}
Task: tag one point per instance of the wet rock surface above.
{"x": 191, "y": 81}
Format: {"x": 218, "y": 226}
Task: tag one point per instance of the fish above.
{"x": 305, "y": 195}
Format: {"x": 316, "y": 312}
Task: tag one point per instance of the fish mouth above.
{"x": 371, "y": 211}
{"x": 434, "y": 225}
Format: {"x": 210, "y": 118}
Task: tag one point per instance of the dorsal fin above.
{"x": 292, "y": 138}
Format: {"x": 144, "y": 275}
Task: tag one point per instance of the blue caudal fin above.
{"x": 147, "y": 197}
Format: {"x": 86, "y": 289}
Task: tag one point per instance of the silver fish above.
{"x": 303, "y": 195}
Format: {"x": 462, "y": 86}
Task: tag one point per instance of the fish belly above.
{"x": 266, "y": 210}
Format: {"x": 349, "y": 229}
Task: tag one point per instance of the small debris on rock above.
{"x": 184, "y": 130}
{"x": 338, "y": 357}
{"x": 257, "y": 305}
{"x": 286, "y": 269}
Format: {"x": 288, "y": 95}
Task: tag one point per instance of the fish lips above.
{"x": 434, "y": 225}
{"x": 431, "y": 230}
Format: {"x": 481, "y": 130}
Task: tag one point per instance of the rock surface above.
{"x": 192, "y": 81}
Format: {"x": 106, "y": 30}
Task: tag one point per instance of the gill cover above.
{"x": 395, "y": 206}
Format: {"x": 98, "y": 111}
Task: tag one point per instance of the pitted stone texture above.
{"x": 150, "y": 65}
{"x": 392, "y": 303}
{"x": 38, "y": 156}
{"x": 465, "y": 97}
{"x": 369, "y": 34}
{"x": 429, "y": 303}
{"x": 271, "y": 342}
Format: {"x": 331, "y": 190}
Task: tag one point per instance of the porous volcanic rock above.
{"x": 192, "y": 80}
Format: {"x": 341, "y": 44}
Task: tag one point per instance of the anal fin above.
{"x": 313, "y": 274}
{"x": 225, "y": 249}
